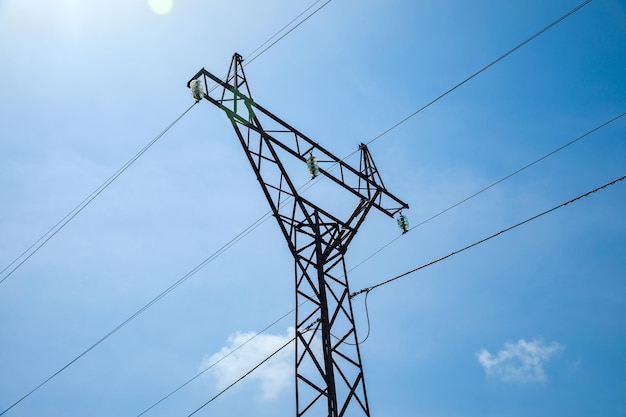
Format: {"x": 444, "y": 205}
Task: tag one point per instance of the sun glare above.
{"x": 161, "y": 7}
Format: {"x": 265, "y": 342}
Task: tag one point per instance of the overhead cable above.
{"x": 506, "y": 177}
{"x": 588, "y": 193}
{"x": 46, "y": 237}
{"x": 369, "y": 289}
{"x": 560, "y": 148}
{"x": 310, "y": 184}
{"x": 55, "y": 229}
{"x": 24, "y": 256}
{"x": 243, "y": 377}
{"x": 285, "y": 27}
{"x": 483, "y": 69}
{"x": 213, "y": 364}
{"x": 249, "y": 60}
{"x": 142, "y": 309}
{"x": 313, "y": 323}
{"x": 450, "y": 90}
{"x": 412, "y": 115}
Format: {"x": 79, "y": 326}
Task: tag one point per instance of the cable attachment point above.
{"x": 359, "y": 292}
{"x": 310, "y": 326}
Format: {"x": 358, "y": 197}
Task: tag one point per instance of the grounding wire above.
{"x": 588, "y": 193}
{"x": 23, "y": 257}
{"x": 286, "y": 26}
{"x": 250, "y": 60}
{"x": 369, "y": 325}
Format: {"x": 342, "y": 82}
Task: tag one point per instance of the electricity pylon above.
{"x": 329, "y": 373}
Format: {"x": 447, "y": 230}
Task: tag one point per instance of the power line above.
{"x": 142, "y": 309}
{"x": 23, "y": 257}
{"x": 560, "y": 148}
{"x": 74, "y": 212}
{"x": 214, "y": 364}
{"x": 222, "y": 358}
{"x": 81, "y": 206}
{"x": 450, "y": 90}
{"x": 483, "y": 69}
{"x": 398, "y": 124}
{"x": 368, "y": 289}
{"x": 286, "y": 26}
{"x": 506, "y": 177}
{"x": 263, "y": 219}
{"x": 243, "y": 377}
{"x": 254, "y": 369}
{"x": 500, "y": 58}
{"x": 248, "y": 61}
{"x": 55, "y": 229}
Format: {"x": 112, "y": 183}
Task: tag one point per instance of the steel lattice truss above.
{"x": 329, "y": 374}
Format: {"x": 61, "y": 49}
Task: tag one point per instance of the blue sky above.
{"x": 528, "y": 323}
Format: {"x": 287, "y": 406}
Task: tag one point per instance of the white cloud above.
{"x": 519, "y": 362}
{"x": 273, "y": 377}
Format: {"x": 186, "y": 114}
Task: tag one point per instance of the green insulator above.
{"x": 403, "y": 223}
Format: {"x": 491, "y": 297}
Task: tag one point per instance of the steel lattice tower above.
{"x": 329, "y": 374}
